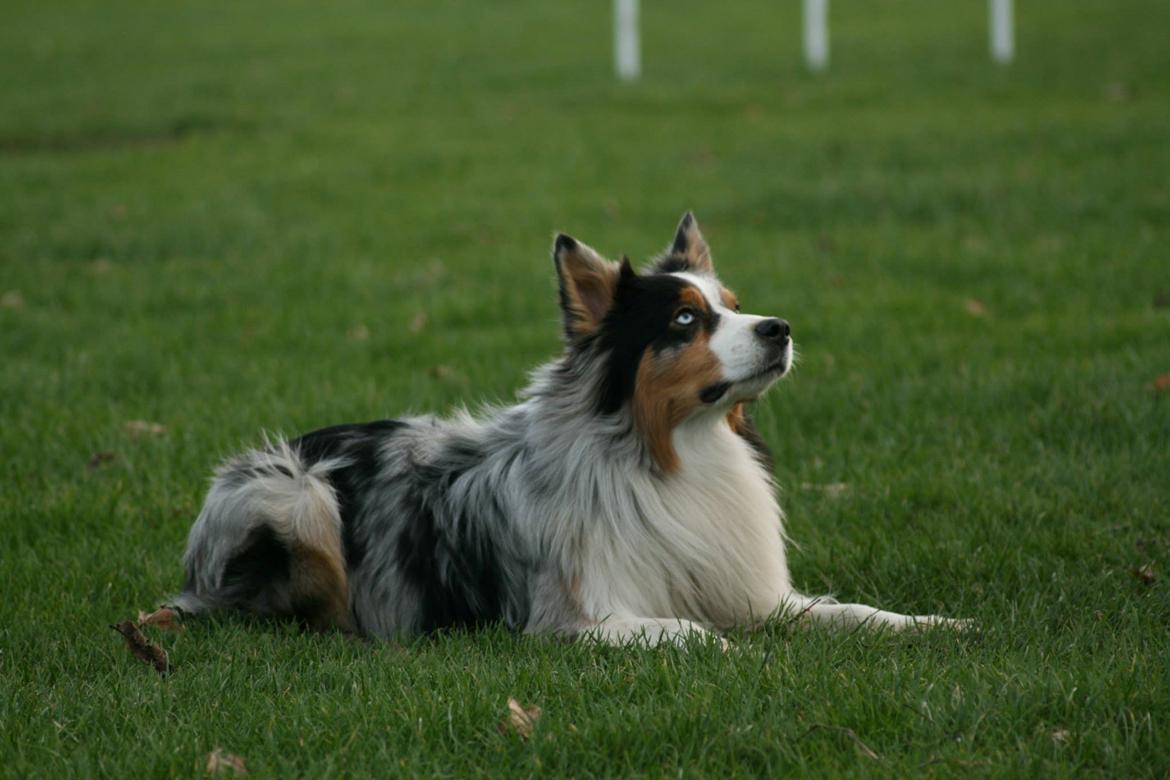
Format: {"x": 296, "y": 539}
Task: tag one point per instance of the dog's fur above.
{"x": 626, "y": 496}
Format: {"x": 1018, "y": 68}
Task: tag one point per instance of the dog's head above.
{"x": 672, "y": 340}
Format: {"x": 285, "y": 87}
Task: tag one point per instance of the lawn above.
{"x": 221, "y": 218}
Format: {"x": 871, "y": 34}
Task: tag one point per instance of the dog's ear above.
{"x": 688, "y": 251}
{"x": 588, "y": 285}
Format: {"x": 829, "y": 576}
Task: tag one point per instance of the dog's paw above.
{"x": 934, "y": 622}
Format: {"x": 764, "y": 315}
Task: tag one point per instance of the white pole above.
{"x": 1003, "y": 45}
{"x": 816, "y": 34}
{"x": 627, "y": 55}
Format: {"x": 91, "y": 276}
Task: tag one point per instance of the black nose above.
{"x": 773, "y": 329}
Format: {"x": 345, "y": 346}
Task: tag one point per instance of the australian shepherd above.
{"x": 625, "y": 496}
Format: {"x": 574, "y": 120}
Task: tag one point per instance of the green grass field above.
{"x": 226, "y": 217}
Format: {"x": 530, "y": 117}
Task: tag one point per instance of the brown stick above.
{"x": 142, "y": 648}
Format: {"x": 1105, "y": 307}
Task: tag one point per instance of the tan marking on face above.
{"x": 728, "y": 298}
{"x": 666, "y": 391}
{"x": 693, "y": 297}
{"x": 737, "y": 418}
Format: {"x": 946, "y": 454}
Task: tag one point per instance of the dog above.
{"x": 626, "y": 496}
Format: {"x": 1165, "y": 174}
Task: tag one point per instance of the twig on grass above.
{"x": 862, "y": 748}
{"x": 143, "y": 649}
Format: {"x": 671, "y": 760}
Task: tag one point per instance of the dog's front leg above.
{"x": 826, "y": 611}
{"x": 648, "y": 632}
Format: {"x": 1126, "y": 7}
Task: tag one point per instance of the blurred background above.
{"x": 289, "y": 213}
{"x": 219, "y": 217}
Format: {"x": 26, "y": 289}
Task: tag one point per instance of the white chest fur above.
{"x": 707, "y": 546}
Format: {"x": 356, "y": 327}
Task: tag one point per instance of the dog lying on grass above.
{"x": 625, "y": 497}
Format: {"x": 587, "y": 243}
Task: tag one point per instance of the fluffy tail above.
{"x": 268, "y": 542}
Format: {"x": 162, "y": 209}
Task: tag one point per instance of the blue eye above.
{"x": 685, "y": 317}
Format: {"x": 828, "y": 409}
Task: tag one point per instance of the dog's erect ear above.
{"x": 689, "y": 246}
{"x": 588, "y": 285}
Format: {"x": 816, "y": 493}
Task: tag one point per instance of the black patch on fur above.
{"x": 679, "y": 247}
{"x": 759, "y": 447}
{"x": 672, "y": 264}
{"x": 564, "y": 243}
{"x": 713, "y": 393}
{"x": 261, "y": 566}
{"x": 641, "y": 319}
{"x": 359, "y": 445}
{"x": 450, "y": 557}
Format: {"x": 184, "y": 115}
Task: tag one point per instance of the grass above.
{"x": 226, "y": 217}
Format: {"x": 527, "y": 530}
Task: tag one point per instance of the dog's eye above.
{"x": 684, "y": 317}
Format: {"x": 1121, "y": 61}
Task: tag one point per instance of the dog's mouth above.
{"x": 774, "y": 370}
{"x": 778, "y": 367}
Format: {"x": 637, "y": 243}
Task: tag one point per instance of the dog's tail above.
{"x": 268, "y": 542}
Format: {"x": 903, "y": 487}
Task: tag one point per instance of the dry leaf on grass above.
{"x": 12, "y": 300}
{"x": 520, "y": 719}
{"x": 164, "y": 619}
{"x": 219, "y": 761}
{"x": 975, "y": 308}
{"x": 143, "y": 427}
{"x": 1117, "y": 92}
{"x": 418, "y": 322}
{"x": 142, "y": 648}
{"x": 1145, "y": 574}
{"x": 440, "y": 371}
{"x": 358, "y": 333}
{"x": 1161, "y": 383}
{"x": 98, "y": 458}
{"x": 1060, "y": 735}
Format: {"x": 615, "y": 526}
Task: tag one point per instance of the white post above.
{"x": 627, "y": 55}
{"x": 816, "y": 34}
{"x": 1003, "y": 45}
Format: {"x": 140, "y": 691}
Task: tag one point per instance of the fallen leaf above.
{"x": 12, "y": 300}
{"x": 440, "y": 372}
{"x": 975, "y": 308}
{"x": 1117, "y": 91}
{"x": 1060, "y": 735}
{"x": 358, "y": 333}
{"x": 141, "y": 427}
{"x": 418, "y": 322}
{"x": 520, "y": 719}
{"x": 219, "y": 761}
{"x": 101, "y": 266}
{"x": 164, "y": 618}
{"x": 829, "y": 489}
{"x": 1098, "y": 615}
{"x": 98, "y": 458}
{"x": 142, "y": 648}
{"x": 1161, "y": 383}
{"x": 1145, "y": 574}
{"x": 975, "y": 244}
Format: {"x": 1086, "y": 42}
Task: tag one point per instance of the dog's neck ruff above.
{"x": 653, "y": 537}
